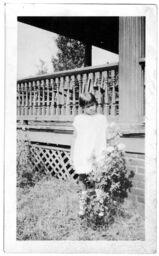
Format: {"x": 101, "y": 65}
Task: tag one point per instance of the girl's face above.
{"x": 91, "y": 110}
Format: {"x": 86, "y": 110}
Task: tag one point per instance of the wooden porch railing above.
{"x": 56, "y": 97}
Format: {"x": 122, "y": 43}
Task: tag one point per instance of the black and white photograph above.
{"x": 82, "y": 163}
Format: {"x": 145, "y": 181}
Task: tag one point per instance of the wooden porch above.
{"x": 47, "y": 104}
{"x": 119, "y": 87}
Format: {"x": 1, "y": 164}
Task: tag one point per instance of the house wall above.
{"x": 136, "y": 163}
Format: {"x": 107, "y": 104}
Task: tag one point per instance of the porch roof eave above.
{"x": 98, "y": 31}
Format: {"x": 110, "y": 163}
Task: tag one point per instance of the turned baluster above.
{"x": 98, "y": 94}
{"x": 67, "y": 84}
{"x": 57, "y": 96}
{"x": 18, "y": 101}
{"x": 105, "y": 88}
{"x": 22, "y": 100}
{"x": 34, "y": 98}
{"x": 62, "y": 100}
{"x": 90, "y": 87}
{"x": 52, "y": 97}
{"x": 113, "y": 93}
{"x": 26, "y": 99}
{"x": 30, "y": 98}
{"x": 65, "y": 94}
{"x": 79, "y": 80}
{"x": 38, "y": 98}
{"x": 48, "y": 97}
{"x": 73, "y": 96}
{"x": 116, "y": 93}
{"x": 84, "y": 83}
{"x": 43, "y": 97}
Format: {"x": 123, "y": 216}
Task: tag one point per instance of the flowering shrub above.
{"x": 113, "y": 182}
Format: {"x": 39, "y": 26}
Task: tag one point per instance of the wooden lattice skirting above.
{"x": 53, "y": 160}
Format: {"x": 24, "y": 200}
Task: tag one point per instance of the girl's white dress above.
{"x": 90, "y": 140}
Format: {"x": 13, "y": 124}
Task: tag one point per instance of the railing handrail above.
{"x": 68, "y": 72}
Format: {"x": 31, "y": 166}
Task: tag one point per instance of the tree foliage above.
{"x": 70, "y": 55}
{"x": 42, "y": 68}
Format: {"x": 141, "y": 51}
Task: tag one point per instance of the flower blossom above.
{"x": 99, "y": 193}
{"x": 121, "y": 146}
{"x": 110, "y": 149}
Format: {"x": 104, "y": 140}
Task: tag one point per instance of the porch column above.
{"x": 131, "y": 51}
{"x": 88, "y": 55}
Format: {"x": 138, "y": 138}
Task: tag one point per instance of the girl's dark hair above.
{"x": 87, "y": 99}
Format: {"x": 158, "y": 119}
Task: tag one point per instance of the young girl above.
{"x": 89, "y": 142}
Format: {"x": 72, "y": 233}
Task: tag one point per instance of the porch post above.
{"x": 131, "y": 51}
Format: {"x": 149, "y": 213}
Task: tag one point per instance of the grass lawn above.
{"x": 49, "y": 211}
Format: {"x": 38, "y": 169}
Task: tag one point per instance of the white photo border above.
{"x": 12, "y": 11}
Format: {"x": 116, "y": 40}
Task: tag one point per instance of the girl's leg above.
{"x": 83, "y": 196}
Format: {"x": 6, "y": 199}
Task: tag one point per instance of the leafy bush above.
{"x": 27, "y": 174}
{"x": 113, "y": 182}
